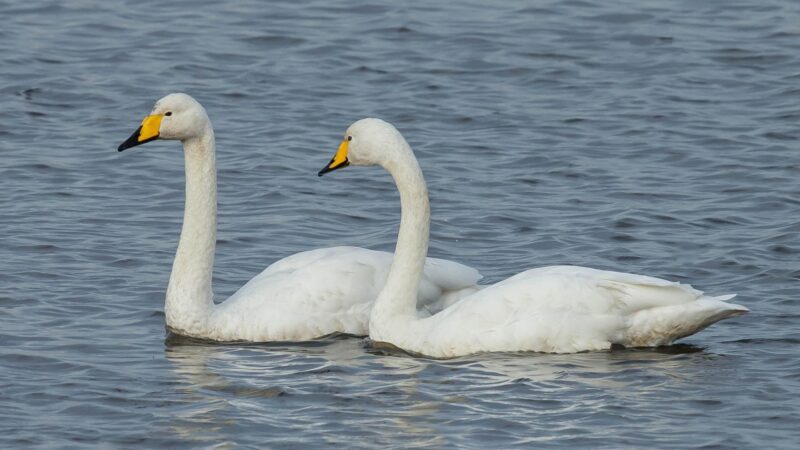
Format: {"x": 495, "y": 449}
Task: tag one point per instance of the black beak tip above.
{"x": 133, "y": 141}
{"x": 330, "y": 167}
{"x": 327, "y": 168}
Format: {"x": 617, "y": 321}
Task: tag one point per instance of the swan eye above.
{"x": 349, "y": 138}
{"x": 168, "y": 113}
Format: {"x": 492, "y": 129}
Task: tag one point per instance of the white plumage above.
{"x": 304, "y": 296}
{"x": 564, "y": 309}
{"x": 318, "y": 292}
{"x": 558, "y": 309}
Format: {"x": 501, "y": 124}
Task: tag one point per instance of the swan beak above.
{"x": 338, "y": 161}
{"x": 147, "y": 131}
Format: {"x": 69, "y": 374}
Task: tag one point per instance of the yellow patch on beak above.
{"x": 147, "y": 131}
{"x": 339, "y": 160}
{"x": 150, "y": 127}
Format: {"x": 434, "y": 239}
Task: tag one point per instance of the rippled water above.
{"x": 653, "y": 137}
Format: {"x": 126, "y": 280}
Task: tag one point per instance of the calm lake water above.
{"x": 656, "y": 137}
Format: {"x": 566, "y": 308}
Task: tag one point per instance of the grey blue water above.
{"x": 654, "y": 137}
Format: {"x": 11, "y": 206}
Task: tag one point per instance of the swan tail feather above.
{"x": 663, "y": 325}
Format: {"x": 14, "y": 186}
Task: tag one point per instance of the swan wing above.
{"x": 443, "y": 284}
{"x": 329, "y": 290}
{"x": 450, "y": 275}
{"x": 566, "y": 309}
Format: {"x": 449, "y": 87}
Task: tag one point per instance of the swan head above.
{"x": 175, "y": 116}
{"x": 367, "y": 142}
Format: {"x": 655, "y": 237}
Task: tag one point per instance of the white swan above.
{"x": 559, "y": 309}
{"x": 301, "y": 297}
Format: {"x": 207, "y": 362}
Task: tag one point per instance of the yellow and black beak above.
{"x": 339, "y": 160}
{"x": 148, "y": 131}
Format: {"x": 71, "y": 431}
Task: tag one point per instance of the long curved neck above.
{"x": 398, "y": 298}
{"x": 190, "y": 299}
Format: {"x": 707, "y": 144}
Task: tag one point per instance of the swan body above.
{"x": 319, "y": 292}
{"x": 558, "y": 309}
{"x": 301, "y": 297}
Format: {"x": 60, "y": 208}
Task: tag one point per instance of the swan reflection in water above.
{"x": 342, "y": 388}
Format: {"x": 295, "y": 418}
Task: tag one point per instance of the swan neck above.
{"x": 189, "y": 294}
{"x": 399, "y": 296}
